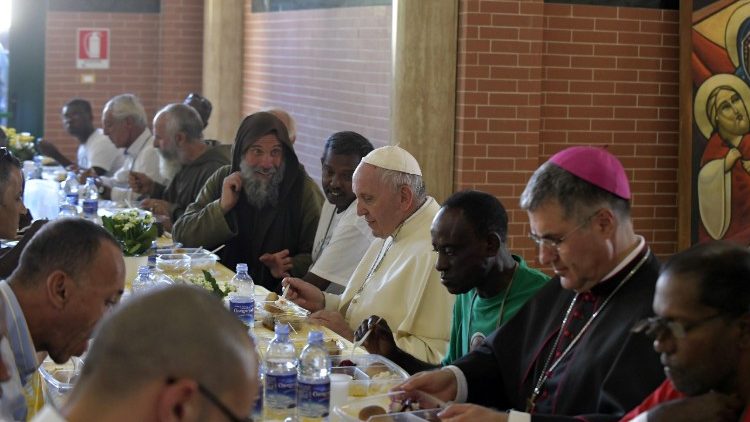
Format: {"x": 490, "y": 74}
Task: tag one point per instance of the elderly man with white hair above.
{"x": 124, "y": 121}
{"x": 396, "y": 278}
{"x": 184, "y": 158}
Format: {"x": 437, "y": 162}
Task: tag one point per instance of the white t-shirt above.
{"x": 340, "y": 242}
{"x": 99, "y": 151}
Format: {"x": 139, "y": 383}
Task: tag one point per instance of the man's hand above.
{"x": 165, "y": 221}
{"x": 711, "y": 406}
{"x": 304, "y": 294}
{"x": 380, "y": 341}
{"x": 84, "y": 174}
{"x": 230, "y": 191}
{"x": 140, "y": 183}
{"x": 49, "y": 149}
{"x": 279, "y": 263}
{"x": 334, "y": 321}
{"x": 471, "y": 412}
{"x": 156, "y": 206}
{"x": 441, "y": 383}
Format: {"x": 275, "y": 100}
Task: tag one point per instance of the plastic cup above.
{"x": 339, "y": 392}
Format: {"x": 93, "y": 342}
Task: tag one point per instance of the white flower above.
{"x": 127, "y": 226}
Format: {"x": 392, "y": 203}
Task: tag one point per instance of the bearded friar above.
{"x": 263, "y": 207}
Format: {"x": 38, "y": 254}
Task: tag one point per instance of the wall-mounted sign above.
{"x": 93, "y": 48}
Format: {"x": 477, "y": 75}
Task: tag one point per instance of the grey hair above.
{"x": 127, "y": 105}
{"x": 182, "y": 118}
{"x": 286, "y": 118}
{"x": 396, "y": 179}
{"x": 576, "y": 197}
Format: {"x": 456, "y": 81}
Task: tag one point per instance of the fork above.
{"x": 361, "y": 341}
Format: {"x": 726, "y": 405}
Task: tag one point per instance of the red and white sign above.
{"x": 93, "y": 48}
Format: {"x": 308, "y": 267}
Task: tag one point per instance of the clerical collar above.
{"x": 635, "y": 253}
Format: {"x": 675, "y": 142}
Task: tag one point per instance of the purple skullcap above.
{"x": 596, "y": 166}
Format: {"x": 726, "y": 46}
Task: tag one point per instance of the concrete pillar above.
{"x": 222, "y": 66}
{"x": 423, "y": 101}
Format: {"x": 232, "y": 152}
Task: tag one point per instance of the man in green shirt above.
{"x": 468, "y": 234}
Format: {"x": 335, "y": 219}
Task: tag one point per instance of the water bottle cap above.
{"x": 144, "y": 269}
{"x": 281, "y": 329}
{"x": 315, "y": 337}
{"x": 241, "y": 267}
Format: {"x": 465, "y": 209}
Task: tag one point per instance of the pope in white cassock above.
{"x": 396, "y": 278}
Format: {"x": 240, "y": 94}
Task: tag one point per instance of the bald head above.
{"x": 196, "y": 339}
{"x": 291, "y": 125}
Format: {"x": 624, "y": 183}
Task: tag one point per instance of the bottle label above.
{"x": 90, "y": 206}
{"x": 313, "y": 399}
{"x": 281, "y": 391}
{"x": 243, "y": 307}
{"x": 72, "y": 198}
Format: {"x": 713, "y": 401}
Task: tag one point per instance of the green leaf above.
{"x": 214, "y": 285}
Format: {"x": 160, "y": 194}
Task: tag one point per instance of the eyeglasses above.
{"x": 554, "y": 243}
{"x": 655, "y": 327}
{"x": 216, "y": 402}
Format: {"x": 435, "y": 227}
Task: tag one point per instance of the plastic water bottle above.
{"x": 38, "y": 167}
{"x": 258, "y": 406}
{"x": 280, "y": 387}
{"x": 68, "y": 205}
{"x": 142, "y": 281}
{"x": 242, "y": 302}
{"x": 70, "y": 188}
{"x": 313, "y": 381}
{"x": 29, "y": 170}
{"x": 90, "y": 196}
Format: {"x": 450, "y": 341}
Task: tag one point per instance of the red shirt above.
{"x": 664, "y": 393}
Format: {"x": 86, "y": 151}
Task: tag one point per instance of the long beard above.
{"x": 261, "y": 192}
{"x": 168, "y": 167}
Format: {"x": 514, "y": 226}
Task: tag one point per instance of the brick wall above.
{"x": 156, "y": 56}
{"x": 534, "y": 78}
{"x": 329, "y": 68}
{"x": 180, "y": 68}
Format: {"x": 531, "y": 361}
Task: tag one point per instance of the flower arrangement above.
{"x": 135, "y": 230}
{"x": 20, "y": 144}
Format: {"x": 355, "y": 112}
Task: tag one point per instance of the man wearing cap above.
{"x": 568, "y": 354}
{"x": 396, "y": 279}
{"x": 264, "y": 207}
